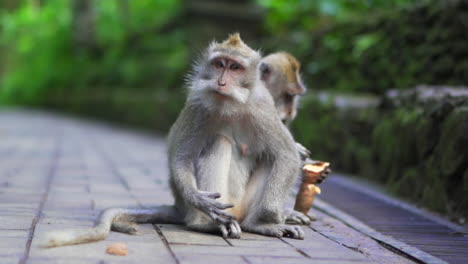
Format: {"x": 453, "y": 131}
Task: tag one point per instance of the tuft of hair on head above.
{"x": 234, "y": 46}
{"x": 234, "y": 40}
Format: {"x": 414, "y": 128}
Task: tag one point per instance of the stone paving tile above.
{"x": 273, "y": 243}
{"x": 100, "y": 203}
{"x": 250, "y": 236}
{"x": 205, "y": 259}
{"x": 282, "y": 260}
{"x": 319, "y": 247}
{"x": 212, "y": 250}
{"x": 143, "y": 248}
{"x": 66, "y": 170}
{"x": 9, "y": 259}
{"x": 181, "y": 235}
{"x": 69, "y": 201}
{"x": 15, "y": 222}
{"x": 12, "y": 243}
{"x": 342, "y": 234}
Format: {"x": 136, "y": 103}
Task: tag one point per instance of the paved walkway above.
{"x": 58, "y": 172}
{"x": 393, "y": 217}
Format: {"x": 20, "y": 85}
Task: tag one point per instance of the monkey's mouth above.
{"x": 220, "y": 95}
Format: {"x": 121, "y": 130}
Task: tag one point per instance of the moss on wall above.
{"x": 417, "y": 145}
{"x": 422, "y": 44}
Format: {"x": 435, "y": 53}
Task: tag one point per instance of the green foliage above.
{"x": 372, "y": 46}
{"x": 36, "y": 42}
{"x": 305, "y": 15}
{"x": 334, "y": 134}
{"x": 45, "y": 69}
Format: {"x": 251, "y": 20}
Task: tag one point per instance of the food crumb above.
{"x": 119, "y": 249}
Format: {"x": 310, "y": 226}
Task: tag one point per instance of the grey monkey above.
{"x": 231, "y": 161}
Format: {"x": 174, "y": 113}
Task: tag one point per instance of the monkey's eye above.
{"x": 218, "y": 64}
{"x": 234, "y": 67}
{"x": 288, "y": 97}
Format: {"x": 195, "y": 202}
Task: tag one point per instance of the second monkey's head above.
{"x": 224, "y": 78}
{"x": 280, "y": 72}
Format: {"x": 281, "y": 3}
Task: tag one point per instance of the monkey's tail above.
{"x": 160, "y": 214}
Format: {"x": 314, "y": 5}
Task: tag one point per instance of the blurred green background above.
{"x": 368, "y": 65}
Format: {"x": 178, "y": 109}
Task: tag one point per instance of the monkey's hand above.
{"x": 206, "y": 202}
{"x": 296, "y": 218}
{"x": 303, "y": 151}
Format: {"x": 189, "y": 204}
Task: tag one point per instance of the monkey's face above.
{"x": 225, "y": 77}
{"x": 228, "y": 79}
{"x": 286, "y": 106}
{"x": 225, "y": 84}
{"x": 281, "y": 77}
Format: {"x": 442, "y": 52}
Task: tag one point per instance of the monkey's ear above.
{"x": 265, "y": 71}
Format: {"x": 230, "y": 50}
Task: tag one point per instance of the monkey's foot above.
{"x": 125, "y": 227}
{"x": 231, "y": 230}
{"x": 276, "y": 230}
{"x": 296, "y": 218}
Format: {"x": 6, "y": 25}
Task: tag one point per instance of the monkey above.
{"x": 280, "y": 72}
{"x": 231, "y": 162}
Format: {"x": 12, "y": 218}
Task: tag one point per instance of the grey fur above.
{"x": 206, "y": 164}
{"x": 161, "y": 214}
{"x": 206, "y": 133}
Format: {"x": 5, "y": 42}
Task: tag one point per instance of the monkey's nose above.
{"x": 221, "y": 82}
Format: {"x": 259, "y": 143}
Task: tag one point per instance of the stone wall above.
{"x": 413, "y": 141}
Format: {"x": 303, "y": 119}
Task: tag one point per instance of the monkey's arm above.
{"x": 185, "y": 185}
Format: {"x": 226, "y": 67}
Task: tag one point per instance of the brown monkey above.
{"x": 280, "y": 72}
{"x": 225, "y": 145}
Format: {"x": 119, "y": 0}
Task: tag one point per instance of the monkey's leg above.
{"x": 267, "y": 193}
{"x": 160, "y": 214}
{"x": 212, "y": 179}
